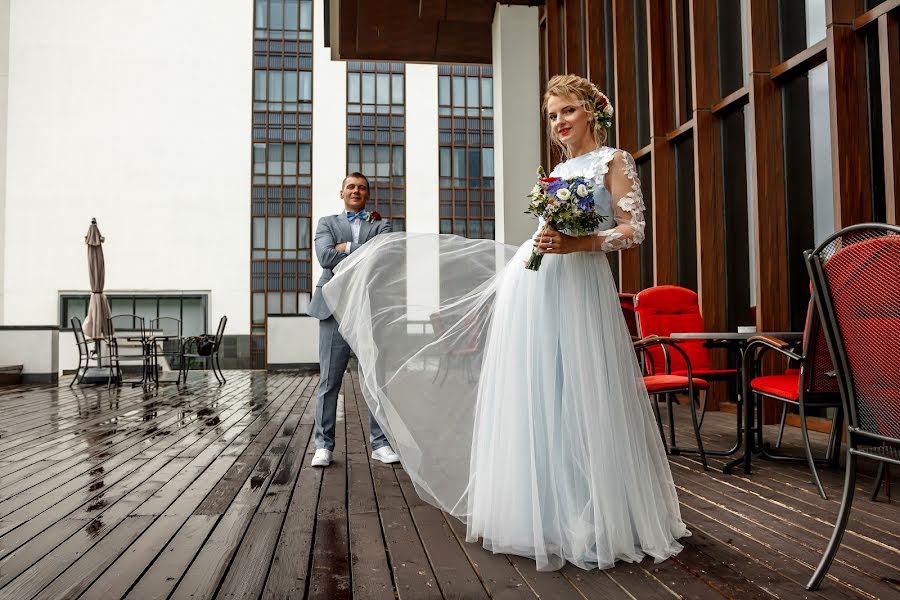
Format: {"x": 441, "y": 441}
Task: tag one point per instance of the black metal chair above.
{"x": 85, "y": 354}
{"x": 663, "y": 387}
{"x": 812, "y": 385}
{"x": 130, "y": 328}
{"x": 199, "y": 344}
{"x": 856, "y": 282}
{"x": 165, "y": 340}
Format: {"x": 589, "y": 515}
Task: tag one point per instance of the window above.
{"x": 189, "y": 309}
{"x": 281, "y": 207}
{"x": 466, "y": 154}
{"x": 376, "y": 134}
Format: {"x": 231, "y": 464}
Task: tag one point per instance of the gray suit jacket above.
{"x": 330, "y": 232}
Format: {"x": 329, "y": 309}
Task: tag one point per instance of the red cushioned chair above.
{"x": 667, "y": 309}
{"x": 856, "y": 284}
{"x": 813, "y": 385}
{"x": 626, "y": 301}
{"x": 663, "y": 387}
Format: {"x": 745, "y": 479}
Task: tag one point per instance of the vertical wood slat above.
{"x": 678, "y": 76}
{"x": 889, "y": 58}
{"x": 662, "y": 121}
{"x": 574, "y": 27}
{"x": 598, "y": 63}
{"x": 708, "y": 183}
{"x": 849, "y": 125}
{"x": 626, "y": 120}
{"x": 766, "y": 158}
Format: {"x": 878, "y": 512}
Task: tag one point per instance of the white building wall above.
{"x": 422, "y": 152}
{"x": 137, "y": 114}
{"x": 4, "y": 103}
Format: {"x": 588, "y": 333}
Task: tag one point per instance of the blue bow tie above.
{"x": 362, "y": 215}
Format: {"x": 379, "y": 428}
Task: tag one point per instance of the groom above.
{"x": 337, "y": 237}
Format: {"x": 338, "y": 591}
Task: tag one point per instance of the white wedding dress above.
{"x": 514, "y": 397}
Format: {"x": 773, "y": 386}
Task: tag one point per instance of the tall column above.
{"x": 517, "y": 118}
{"x": 422, "y": 182}
{"x": 329, "y": 148}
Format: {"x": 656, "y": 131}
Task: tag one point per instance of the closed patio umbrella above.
{"x": 96, "y": 324}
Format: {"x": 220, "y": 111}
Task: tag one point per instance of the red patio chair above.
{"x": 667, "y": 309}
{"x": 626, "y": 301}
{"x": 856, "y": 284}
{"x": 663, "y": 387}
{"x": 812, "y": 385}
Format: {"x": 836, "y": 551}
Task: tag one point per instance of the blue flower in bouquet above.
{"x": 556, "y": 185}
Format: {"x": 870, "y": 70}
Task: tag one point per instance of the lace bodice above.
{"x": 617, "y": 195}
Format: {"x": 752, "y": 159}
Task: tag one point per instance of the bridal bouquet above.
{"x": 566, "y": 204}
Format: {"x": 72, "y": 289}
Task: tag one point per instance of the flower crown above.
{"x": 601, "y": 108}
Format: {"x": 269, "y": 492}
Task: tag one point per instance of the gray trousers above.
{"x": 334, "y": 354}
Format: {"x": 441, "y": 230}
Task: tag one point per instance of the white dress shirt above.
{"x": 355, "y": 224}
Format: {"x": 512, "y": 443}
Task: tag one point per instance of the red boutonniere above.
{"x": 373, "y": 216}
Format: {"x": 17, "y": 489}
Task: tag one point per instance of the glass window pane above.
{"x": 487, "y": 92}
{"x": 274, "y": 241}
{"x": 289, "y": 241}
{"x": 274, "y": 159}
{"x": 259, "y": 85}
{"x": 820, "y": 142}
{"x": 73, "y": 307}
{"x": 459, "y": 91}
{"x": 445, "y": 162}
{"x": 121, "y": 306}
{"x": 487, "y": 162}
{"x": 259, "y": 158}
{"x": 303, "y": 231}
{"x": 815, "y": 21}
{"x": 259, "y": 310}
{"x": 353, "y": 88}
{"x": 170, "y": 307}
{"x": 276, "y": 17}
{"x": 305, "y": 86}
{"x": 472, "y": 91}
{"x": 474, "y": 163}
{"x": 259, "y": 232}
{"x": 444, "y": 90}
{"x": 306, "y": 15}
{"x": 398, "y": 168}
{"x": 261, "y": 16}
{"x": 146, "y": 308}
{"x": 384, "y": 161}
{"x": 290, "y": 86}
{"x": 194, "y": 317}
{"x": 273, "y": 302}
{"x": 368, "y": 88}
{"x": 459, "y": 166}
{"x": 353, "y": 159}
{"x": 289, "y": 303}
{"x": 397, "y": 89}
{"x": 368, "y": 160}
{"x": 304, "y": 159}
{"x": 291, "y": 16}
{"x": 384, "y": 88}
{"x": 290, "y": 159}
{"x": 275, "y": 86}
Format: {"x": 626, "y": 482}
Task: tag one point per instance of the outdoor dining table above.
{"x": 747, "y": 426}
{"x": 151, "y": 343}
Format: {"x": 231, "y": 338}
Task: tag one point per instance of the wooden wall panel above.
{"x": 662, "y": 121}
{"x": 708, "y": 166}
{"x": 626, "y": 120}
{"x": 849, "y": 125}
{"x": 889, "y": 47}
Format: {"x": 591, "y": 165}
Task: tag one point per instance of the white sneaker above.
{"x": 322, "y": 458}
{"x": 386, "y": 455}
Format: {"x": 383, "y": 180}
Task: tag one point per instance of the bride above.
{"x": 521, "y": 410}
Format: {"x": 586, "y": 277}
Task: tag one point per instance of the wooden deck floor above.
{"x": 206, "y": 492}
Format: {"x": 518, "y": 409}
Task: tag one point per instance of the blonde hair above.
{"x": 586, "y": 94}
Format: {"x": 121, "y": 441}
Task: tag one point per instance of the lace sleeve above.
{"x": 628, "y": 204}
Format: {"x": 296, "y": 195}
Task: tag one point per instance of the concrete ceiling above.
{"x": 430, "y": 31}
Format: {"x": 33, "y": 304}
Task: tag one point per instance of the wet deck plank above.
{"x": 206, "y": 491}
